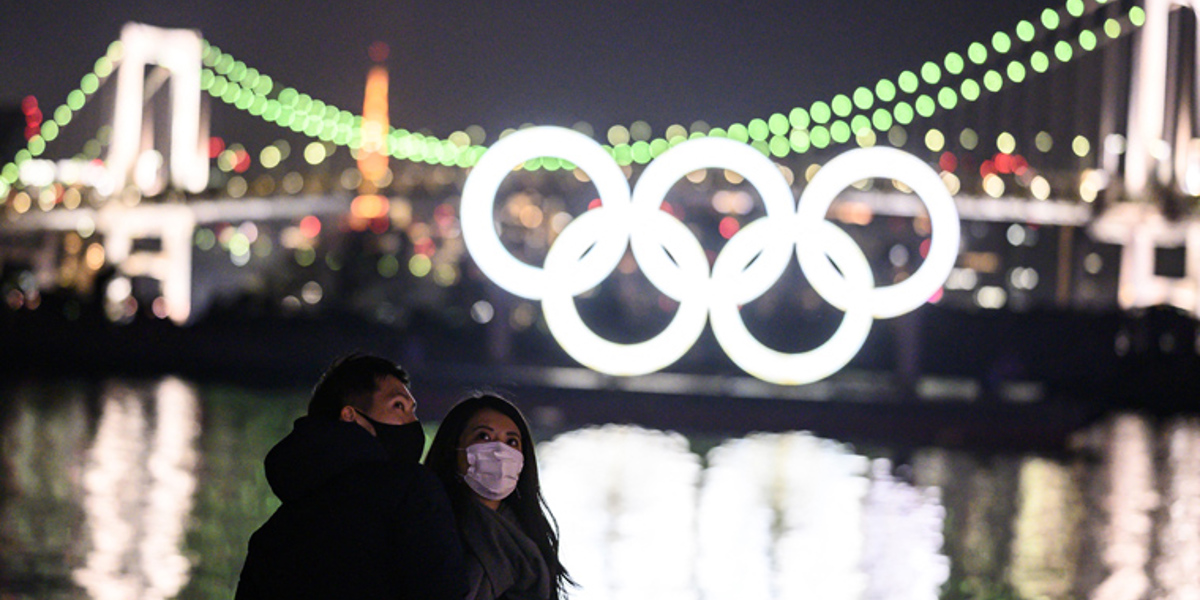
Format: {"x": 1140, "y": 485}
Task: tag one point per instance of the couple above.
{"x": 362, "y": 518}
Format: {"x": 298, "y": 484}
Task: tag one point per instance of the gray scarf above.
{"x": 502, "y": 562}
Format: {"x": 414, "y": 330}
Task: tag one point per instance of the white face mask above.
{"x": 493, "y": 469}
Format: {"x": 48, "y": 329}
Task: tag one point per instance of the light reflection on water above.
{"x": 150, "y": 490}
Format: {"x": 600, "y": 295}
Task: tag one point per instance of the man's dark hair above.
{"x": 351, "y": 381}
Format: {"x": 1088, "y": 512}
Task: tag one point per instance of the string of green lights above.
{"x": 836, "y": 121}
{"x": 62, "y": 116}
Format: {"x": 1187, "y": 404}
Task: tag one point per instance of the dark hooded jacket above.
{"x": 352, "y": 523}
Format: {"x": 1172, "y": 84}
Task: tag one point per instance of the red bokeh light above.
{"x": 728, "y": 227}
{"x": 216, "y": 146}
{"x": 594, "y": 204}
{"x": 310, "y": 226}
{"x": 948, "y": 162}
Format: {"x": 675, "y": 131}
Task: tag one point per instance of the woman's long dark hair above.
{"x": 533, "y": 514}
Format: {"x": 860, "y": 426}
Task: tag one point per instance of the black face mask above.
{"x": 403, "y": 443}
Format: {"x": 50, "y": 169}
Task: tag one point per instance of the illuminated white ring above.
{"x": 803, "y": 367}
{"x": 479, "y": 198}
{"x": 595, "y": 352}
{"x": 665, "y": 171}
{"x": 856, "y": 165}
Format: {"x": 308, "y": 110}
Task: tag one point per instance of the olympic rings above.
{"x": 589, "y": 248}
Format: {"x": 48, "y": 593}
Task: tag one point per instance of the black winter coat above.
{"x": 352, "y": 524}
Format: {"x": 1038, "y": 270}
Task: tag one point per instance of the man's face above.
{"x": 392, "y": 402}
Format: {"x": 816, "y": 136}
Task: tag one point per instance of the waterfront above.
{"x": 149, "y": 488}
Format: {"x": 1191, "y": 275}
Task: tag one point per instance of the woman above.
{"x": 483, "y": 454}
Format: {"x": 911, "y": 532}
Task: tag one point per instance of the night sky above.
{"x": 501, "y": 64}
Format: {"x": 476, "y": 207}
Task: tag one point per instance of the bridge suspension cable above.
{"x": 838, "y": 120}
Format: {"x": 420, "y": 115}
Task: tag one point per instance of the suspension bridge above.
{"x": 1070, "y": 138}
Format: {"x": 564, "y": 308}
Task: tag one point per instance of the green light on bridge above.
{"x": 738, "y": 132}
{"x": 881, "y": 119}
{"x": 908, "y": 82}
{"x": 969, "y": 90}
{"x": 37, "y": 145}
{"x": 903, "y": 113}
{"x": 218, "y": 87}
{"x": 264, "y": 85}
{"x": 860, "y": 124}
{"x": 977, "y": 53}
{"x": 779, "y": 146}
{"x": 758, "y": 130}
{"x": 863, "y": 99}
{"x": 104, "y": 67}
{"x": 840, "y": 132}
{"x": 89, "y": 84}
{"x": 1050, "y": 18}
{"x": 798, "y": 118}
{"x": 1137, "y": 16}
{"x": 1087, "y": 40}
{"x": 1112, "y": 28}
{"x": 1001, "y": 42}
{"x": 841, "y": 105}
{"x": 925, "y": 106}
{"x": 799, "y": 141}
{"x": 820, "y": 112}
{"x": 224, "y": 65}
{"x": 1025, "y": 31}
{"x": 930, "y": 73}
{"x": 885, "y": 90}
{"x": 1039, "y": 61}
{"x": 819, "y": 136}
{"x": 1075, "y": 8}
{"x": 76, "y": 99}
{"x": 947, "y": 98}
{"x": 778, "y": 124}
{"x": 993, "y": 81}
{"x": 640, "y": 152}
{"x": 1063, "y": 51}
{"x": 49, "y": 131}
{"x": 1016, "y": 72}
{"x": 62, "y": 114}
{"x": 954, "y": 63}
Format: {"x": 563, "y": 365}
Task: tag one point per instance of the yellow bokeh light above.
{"x": 1040, "y": 188}
{"x": 1006, "y": 143}
{"x": 934, "y": 140}
{"x": 315, "y": 153}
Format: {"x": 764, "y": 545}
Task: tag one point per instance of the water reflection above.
{"x": 625, "y": 499}
{"x": 776, "y": 516}
{"x": 138, "y": 486}
{"x": 150, "y": 490}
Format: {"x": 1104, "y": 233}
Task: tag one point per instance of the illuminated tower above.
{"x": 373, "y": 153}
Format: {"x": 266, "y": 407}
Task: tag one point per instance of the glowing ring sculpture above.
{"x": 590, "y": 247}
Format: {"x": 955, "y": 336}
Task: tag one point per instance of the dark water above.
{"x": 149, "y": 489}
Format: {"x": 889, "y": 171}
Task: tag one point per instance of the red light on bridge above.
{"x": 594, "y": 204}
{"x": 216, "y": 146}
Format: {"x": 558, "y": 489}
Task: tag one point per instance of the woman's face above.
{"x": 488, "y": 425}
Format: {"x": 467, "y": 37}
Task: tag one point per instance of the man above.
{"x": 360, "y": 517}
